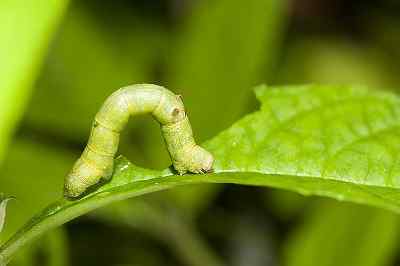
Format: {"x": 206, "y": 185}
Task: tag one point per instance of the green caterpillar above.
{"x": 97, "y": 160}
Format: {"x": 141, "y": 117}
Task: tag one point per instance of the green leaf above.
{"x": 87, "y": 45}
{"x": 25, "y": 30}
{"x": 362, "y": 236}
{"x": 334, "y": 141}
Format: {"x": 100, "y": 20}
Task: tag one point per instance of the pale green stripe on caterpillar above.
{"x": 97, "y": 160}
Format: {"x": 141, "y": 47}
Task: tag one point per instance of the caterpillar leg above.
{"x": 194, "y": 159}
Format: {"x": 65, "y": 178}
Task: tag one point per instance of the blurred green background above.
{"x": 60, "y": 59}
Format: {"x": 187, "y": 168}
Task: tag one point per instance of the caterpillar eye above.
{"x": 176, "y": 112}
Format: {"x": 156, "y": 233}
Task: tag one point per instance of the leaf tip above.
{"x": 3, "y": 204}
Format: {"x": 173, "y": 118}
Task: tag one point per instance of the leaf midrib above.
{"x": 101, "y": 198}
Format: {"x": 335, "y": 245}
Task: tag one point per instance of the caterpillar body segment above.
{"x": 97, "y": 160}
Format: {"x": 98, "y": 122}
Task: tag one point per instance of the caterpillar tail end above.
{"x": 198, "y": 161}
{"x": 83, "y": 176}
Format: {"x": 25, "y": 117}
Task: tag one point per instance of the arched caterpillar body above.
{"x": 96, "y": 161}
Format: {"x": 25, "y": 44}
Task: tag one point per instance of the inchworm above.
{"x": 97, "y": 160}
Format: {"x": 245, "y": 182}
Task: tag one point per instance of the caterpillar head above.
{"x": 170, "y": 110}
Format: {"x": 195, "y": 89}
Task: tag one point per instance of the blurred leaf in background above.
{"x": 343, "y": 234}
{"x": 25, "y": 30}
{"x": 222, "y": 50}
{"x": 336, "y": 61}
{"x": 33, "y": 173}
{"x": 55, "y": 248}
{"x": 164, "y": 224}
{"x": 34, "y": 185}
{"x": 93, "y": 55}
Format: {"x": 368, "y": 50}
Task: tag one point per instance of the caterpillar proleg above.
{"x": 96, "y": 161}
